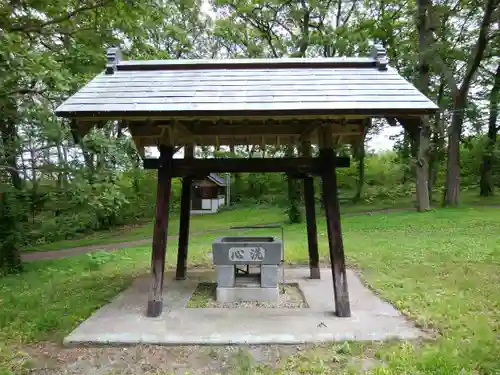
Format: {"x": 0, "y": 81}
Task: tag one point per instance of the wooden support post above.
{"x": 182, "y": 251}
{"x": 155, "y": 302}
{"x": 312, "y": 233}
{"x": 332, "y": 211}
{"x": 294, "y": 214}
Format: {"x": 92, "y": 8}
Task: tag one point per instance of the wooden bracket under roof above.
{"x": 82, "y": 127}
{"x": 391, "y": 121}
{"x": 139, "y": 146}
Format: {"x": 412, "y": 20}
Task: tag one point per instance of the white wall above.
{"x": 206, "y": 204}
{"x": 210, "y": 206}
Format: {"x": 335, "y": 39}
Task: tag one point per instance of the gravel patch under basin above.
{"x": 290, "y": 297}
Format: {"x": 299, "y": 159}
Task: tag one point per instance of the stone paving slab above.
{"x": 123, "y": 321}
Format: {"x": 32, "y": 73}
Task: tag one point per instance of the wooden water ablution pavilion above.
{"x": 294, "y": 101}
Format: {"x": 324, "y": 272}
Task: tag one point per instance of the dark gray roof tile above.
{"x": 246, "y": 89}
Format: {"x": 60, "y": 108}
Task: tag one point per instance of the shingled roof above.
{"x": 217, "y": 179}
{"x": 364, "y": 86}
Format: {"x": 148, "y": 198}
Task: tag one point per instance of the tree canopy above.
{"x": 53, "y": 188}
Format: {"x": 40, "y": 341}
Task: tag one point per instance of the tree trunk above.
{"x": 436, "y": 152}
{"x": 431, "y": 181}
{"x": 34, "y": 178}
{"x": 12, "y": 200}
{"x": 452, "y": 186}
{"x": 406, "y": 156}
{"x": 422, "y": 164}
{"x": 361, "y": 172}
{"x": 422, "y": 168}
{"x": 10, "y": 237}
{"x": 433, "y": 166}
{"x": 61, "y": 174}
{"x": 89, "y": 163}
{"x": 46, "y": 160}
{"x": 34, "y": 182}
{"x": 65, "y": 156}
{"x": 10, "y": 142}
{"x": 486, "y": 183}
{"x": 435, "y": 158}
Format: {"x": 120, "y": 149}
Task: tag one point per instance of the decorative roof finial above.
{"x": 380, "y": 55}
{"x": 114, "y": 56}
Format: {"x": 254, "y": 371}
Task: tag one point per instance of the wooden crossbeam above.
{"x": 190, "y": 167}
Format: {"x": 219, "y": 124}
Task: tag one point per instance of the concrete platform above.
{"x": 123, "y": 321}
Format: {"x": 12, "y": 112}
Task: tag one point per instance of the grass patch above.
{"x": 205, "y": 297}
{"x": 51, "y": 298}
{"x": 236, "y": 215}
{"x": 339, "y": 358}
{"x": 442, "y": 268}
{"x": 199, "y": 223}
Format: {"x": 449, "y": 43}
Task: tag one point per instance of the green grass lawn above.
{"x": 441, "y": 268}
{"x": 237, "y": 216}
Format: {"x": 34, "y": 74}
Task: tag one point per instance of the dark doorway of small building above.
{"x": 196, "y": 202}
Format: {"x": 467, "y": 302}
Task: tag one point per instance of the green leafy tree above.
{"x": 472, "y": 25}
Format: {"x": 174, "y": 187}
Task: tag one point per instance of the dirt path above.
{"x": 74, "y": 251}
{"x": 64, "y": 253}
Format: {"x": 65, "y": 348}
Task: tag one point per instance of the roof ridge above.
{"x": 377, "y": 59}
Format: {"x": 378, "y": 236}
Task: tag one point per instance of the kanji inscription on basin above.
{"x": 247, "y": 254}
{"x": 233, "y": 250}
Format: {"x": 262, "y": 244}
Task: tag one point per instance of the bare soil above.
{"x": 50, "y": 359}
